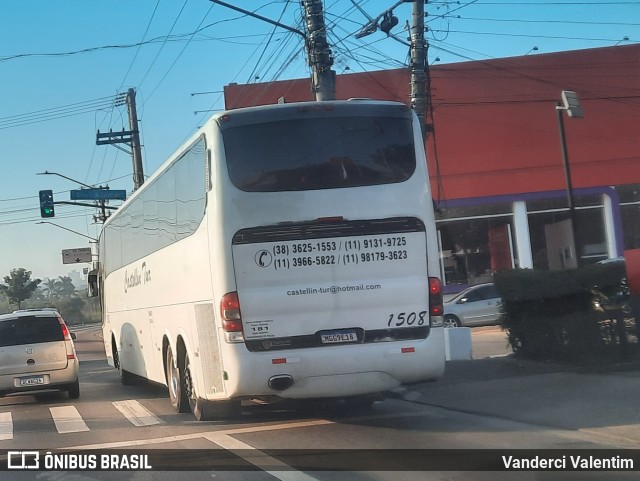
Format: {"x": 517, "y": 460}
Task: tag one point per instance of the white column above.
{"x": 612, "y": 247}
{"x": 523, "y": 240}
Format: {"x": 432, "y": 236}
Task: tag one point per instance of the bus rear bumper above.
{"x": 344, "y": 384}
{"x": 336, "y": 372}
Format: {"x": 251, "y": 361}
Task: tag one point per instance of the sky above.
{"x": 64, "y": 62}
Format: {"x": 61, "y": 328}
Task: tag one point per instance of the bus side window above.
{"x": 207, "y": 173}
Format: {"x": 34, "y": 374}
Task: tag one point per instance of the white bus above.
{"x": 283, "y": 252}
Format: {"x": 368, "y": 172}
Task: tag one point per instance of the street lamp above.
{"x": 571, "y": 104}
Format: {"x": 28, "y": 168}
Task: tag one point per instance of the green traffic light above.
{"x": 46, "y": 203}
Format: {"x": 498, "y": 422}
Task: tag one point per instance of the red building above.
{"x": 495, "y": 155}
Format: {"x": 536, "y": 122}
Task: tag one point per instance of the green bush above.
{"x": 552, "y": 315}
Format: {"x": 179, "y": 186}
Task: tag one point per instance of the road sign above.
{"x": 98, "y": 194}
{"x": 76, "y": 256}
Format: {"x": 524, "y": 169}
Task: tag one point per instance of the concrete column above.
{"x": 612, "y": 247}
{"x": 523, "y": 240}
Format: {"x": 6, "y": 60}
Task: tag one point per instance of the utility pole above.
{"x": 417, "y": 48}
{"x": 418, "y": 67}
{"x": 319, "y": 52}
{"x": 131, "y": 137}
{"x": 571, "y": 104}
{"x": 138, "y": 174}
{"x": 315, "y": 40}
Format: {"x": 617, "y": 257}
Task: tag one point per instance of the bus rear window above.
{"x": 320, "y": 153}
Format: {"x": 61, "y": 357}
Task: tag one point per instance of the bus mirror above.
{"x": 92, "y": 279}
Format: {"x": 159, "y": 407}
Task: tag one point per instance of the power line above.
{"x": 163, "y": 44}
{"x": 562, "y": 22}
{"x": 554, "y": 37}
{"x": 144, "y": 35}
{"x": 179, "y": 54}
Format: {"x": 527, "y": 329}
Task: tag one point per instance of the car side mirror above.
{"x": 464, "y": 300}
{"x": 73, "y": 336}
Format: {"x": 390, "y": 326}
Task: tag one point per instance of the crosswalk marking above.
{"x": 6, "y": 426}
{"x": 136, "y": 413}
{"x": 68, "y": 419}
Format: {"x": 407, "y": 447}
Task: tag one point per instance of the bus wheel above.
{"x": 204, "y": 410}
{"x": 126, "y": 378}
{"x": 176, "y": 385}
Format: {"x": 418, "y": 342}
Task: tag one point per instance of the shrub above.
{"x": 551, "y": 315}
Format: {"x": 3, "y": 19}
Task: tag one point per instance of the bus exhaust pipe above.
{"x": 280, "y": 382}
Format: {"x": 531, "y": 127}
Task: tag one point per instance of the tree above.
{"x": 51, "y": 289}
{"x": 66, "y": 287}
{"x": 18, "y": 285}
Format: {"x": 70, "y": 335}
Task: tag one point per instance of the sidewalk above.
{"x": 600, "y": 404}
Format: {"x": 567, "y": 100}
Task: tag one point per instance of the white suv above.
{"x": 37, "y": 353}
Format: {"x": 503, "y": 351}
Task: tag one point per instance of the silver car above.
{"x": 475, "y": 306}
{"x": 37, "y": 353}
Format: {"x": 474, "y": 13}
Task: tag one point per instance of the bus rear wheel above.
{"x": 176, "y": 384}
{"x": 202, "y": 409}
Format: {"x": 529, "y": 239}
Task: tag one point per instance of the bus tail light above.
{"x": 436, "y": 303}
{"x": 231, "y": 318}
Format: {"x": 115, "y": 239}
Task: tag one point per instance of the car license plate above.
{"x": 337, "y": 337}
{"x": 32, "y": 381}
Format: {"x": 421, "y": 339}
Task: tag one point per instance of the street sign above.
{"x": 98, "y": 194}
{"x": 76, "y": 256}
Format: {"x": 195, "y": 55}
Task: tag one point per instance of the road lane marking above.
{"x": 268, "y": 464}
{"x": 68, "y": 420}
{"x": 186, "y": 437}
{"x": 136, "y": 413}
{"x": 6, "y": 426}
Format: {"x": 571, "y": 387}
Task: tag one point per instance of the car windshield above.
{"x": 30, "y": 330}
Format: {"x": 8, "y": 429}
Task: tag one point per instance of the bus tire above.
{"x": 202, "y": 409}
{"x": 126, "y": 378}
{"x": 176, "y": 385}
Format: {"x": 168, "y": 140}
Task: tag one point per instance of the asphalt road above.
{"x": 487, "y": 403}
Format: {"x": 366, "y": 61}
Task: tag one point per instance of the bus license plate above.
{"x": 337, "y": 337}
{"x": 32, "y": 381}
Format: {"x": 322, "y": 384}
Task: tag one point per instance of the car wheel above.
{"x": 451, "y": 321}
{"x": 73, "y": 390}
{"x": 176, "y": 385}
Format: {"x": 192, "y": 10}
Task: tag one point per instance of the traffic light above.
{"x": 46, "y": 203}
